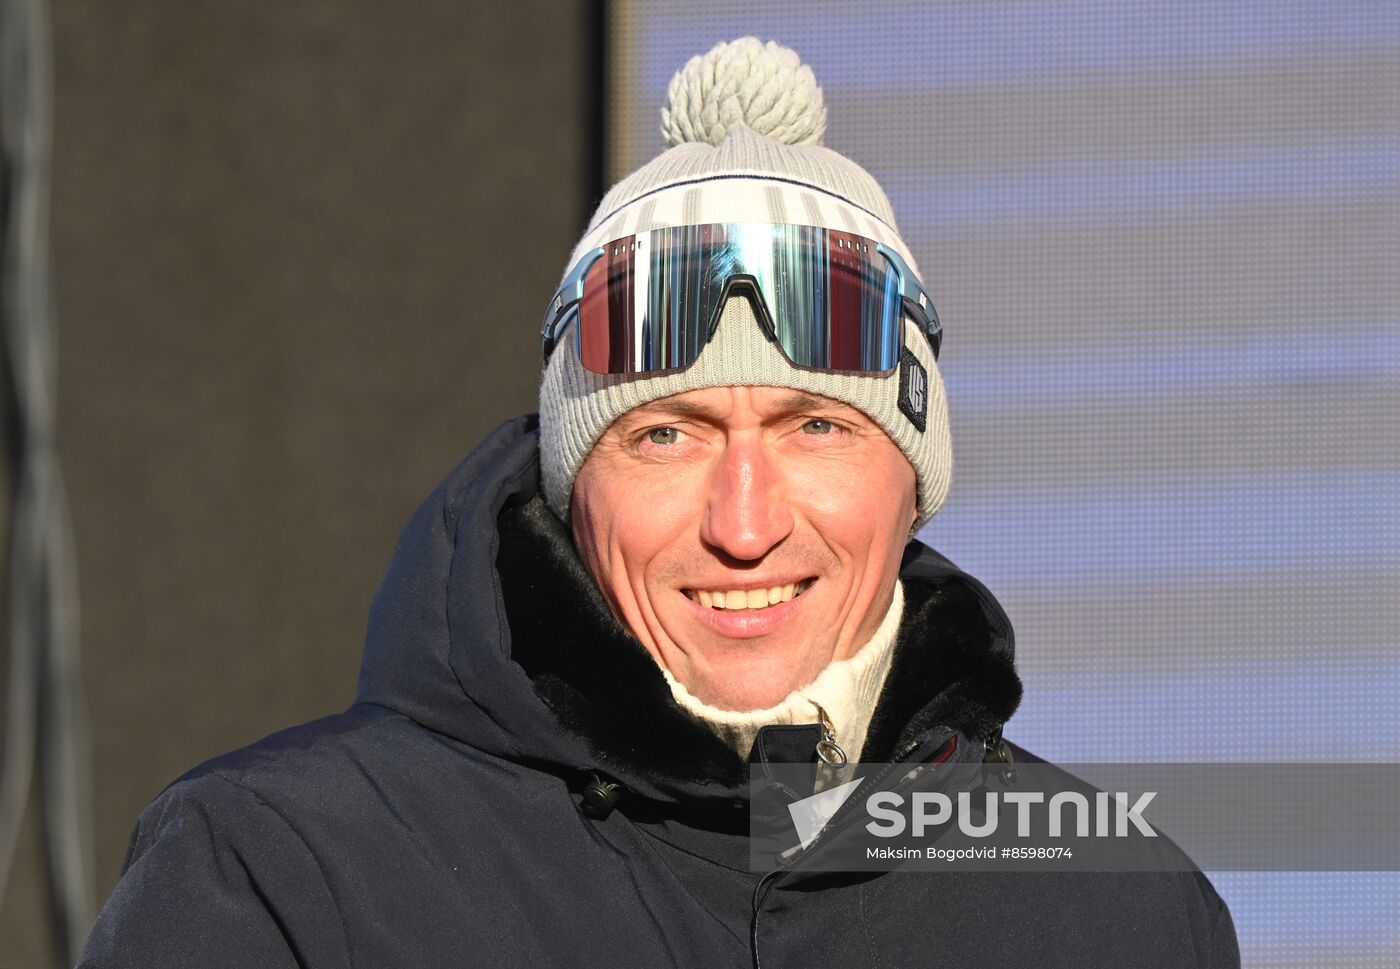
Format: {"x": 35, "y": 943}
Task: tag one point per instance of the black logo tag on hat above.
{"x": 913, "y": 389}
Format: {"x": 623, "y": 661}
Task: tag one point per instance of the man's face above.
{"x": 748, "y": 536}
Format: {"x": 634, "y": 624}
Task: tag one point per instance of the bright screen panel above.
{"x": 1162, "y": 238}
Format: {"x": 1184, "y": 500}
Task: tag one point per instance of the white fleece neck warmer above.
{"x": 846, "y": 691}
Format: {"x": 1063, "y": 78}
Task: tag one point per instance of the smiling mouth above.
{"x": 747, "y": 599}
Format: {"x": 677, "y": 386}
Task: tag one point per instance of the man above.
{"x": 698, "y": 557}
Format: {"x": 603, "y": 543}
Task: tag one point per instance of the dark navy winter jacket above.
{"x": 438, "y": 822}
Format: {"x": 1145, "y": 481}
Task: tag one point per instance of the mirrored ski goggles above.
{"x": 829, "y": 299}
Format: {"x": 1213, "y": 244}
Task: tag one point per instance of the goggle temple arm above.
{"x": 916, "y": 298}
{"x": 563, "y": 307}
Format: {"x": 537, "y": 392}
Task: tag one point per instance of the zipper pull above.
{"x": 996, "y": 752}
{"x": 828, "y": 750}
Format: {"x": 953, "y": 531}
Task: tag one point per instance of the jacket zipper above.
{"x": 828, "y": 750}
{"x": 771, "y": 878}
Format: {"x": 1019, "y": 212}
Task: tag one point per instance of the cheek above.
{"x": 624, "y": 522}
{"x": 596, "y": 520}
{"x": 861, "y": 504}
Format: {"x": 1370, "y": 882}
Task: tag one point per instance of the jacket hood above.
{"x": 488, "y": 629}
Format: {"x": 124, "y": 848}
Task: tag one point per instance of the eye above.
{"x": 663, "y": 435}
{"x": 818, "y": 426}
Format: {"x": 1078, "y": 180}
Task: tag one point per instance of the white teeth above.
{"x": 749, "y": 598}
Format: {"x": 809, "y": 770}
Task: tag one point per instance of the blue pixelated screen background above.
{"x": 1164, "y": 241}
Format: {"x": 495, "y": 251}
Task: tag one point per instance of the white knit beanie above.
{"x": 745, "y": 121}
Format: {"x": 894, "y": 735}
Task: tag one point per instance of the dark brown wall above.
{"x": 301, "y": 253}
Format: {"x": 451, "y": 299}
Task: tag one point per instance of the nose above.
{"x": 747, "y": 513}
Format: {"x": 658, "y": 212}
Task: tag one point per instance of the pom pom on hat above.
{"x": 764, "y": 87}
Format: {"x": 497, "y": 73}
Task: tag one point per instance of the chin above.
{"x": 746, "y": 689}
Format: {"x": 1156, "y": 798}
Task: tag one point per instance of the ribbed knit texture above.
{"x": 734, "y": 182}
{"x": 846, "y": 691}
